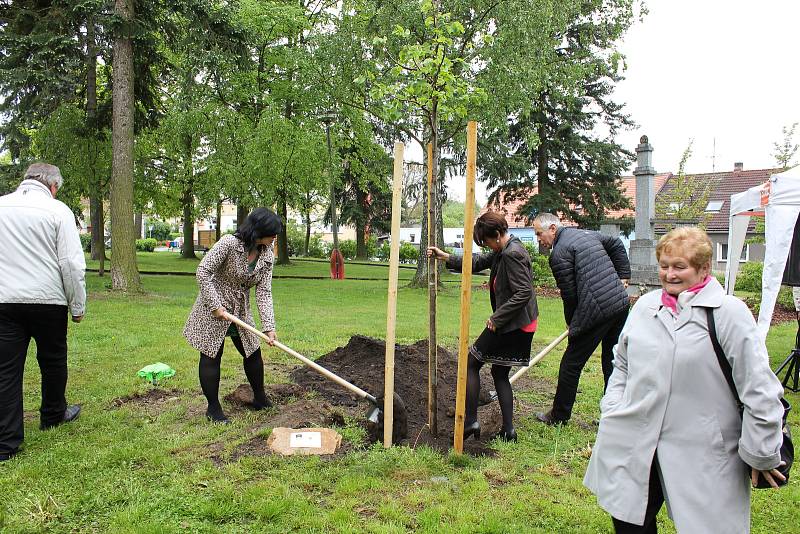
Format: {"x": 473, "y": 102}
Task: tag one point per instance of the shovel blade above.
{"x": 374, "y": 415}
{"x": 375, "y": 421}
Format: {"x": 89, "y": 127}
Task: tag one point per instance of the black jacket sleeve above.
{"x": 479, "y": 263}
{"x": 616, "y": 251}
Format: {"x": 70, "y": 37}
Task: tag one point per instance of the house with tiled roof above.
{"x": 521, "y": 225}
{"x": 721, "y": 186}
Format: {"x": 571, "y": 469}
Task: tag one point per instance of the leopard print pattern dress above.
{"x": 225, "y": 282}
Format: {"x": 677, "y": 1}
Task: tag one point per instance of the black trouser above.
{"x": 209, "y": 372}
{"x": 579, "y": 349}
{"x": 47, "y": 325}
{"x": 655, "y": 498}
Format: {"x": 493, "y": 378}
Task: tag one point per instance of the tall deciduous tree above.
{"x": 268, "y": 89}
{"x": 424, "y": 66}
{"x": 124, "y": 271}
{"x": 424, "y": 75}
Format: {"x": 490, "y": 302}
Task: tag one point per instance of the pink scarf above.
{"x": 672, "y": 302}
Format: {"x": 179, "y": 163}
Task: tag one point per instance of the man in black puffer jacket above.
{"x": 592, "y": 272}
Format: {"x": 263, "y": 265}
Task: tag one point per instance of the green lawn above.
{"x": 172, "y": 262}
{"x": 125, "y": 470}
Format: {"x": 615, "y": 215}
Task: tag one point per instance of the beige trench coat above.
{"x": 225, "y": 282}
{"x": 668, "y": 394}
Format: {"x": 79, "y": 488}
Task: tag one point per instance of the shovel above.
{"x": 375, "y": 413}
{"x": 544, "y": 352}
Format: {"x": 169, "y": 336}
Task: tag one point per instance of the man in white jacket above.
{"x": 41, "y": 282}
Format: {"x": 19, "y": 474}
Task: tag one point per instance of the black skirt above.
{"x": 511, "y": 348}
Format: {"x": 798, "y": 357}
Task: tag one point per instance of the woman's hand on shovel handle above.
{"x": 438, "y": 253}
{"x": 272, "y": 337}
{"x": 219, "y": 313}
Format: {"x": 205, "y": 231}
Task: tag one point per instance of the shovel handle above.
{"x": 310, "y": 363}
{"x": 539, "y": 356}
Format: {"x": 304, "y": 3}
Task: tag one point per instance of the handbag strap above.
{"x": 724, "y": 365}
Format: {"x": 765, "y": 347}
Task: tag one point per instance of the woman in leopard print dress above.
{"x": 225, "y": 275}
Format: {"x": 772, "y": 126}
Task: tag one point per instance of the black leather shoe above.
{"x": 548, "y": 419}
{"x": 510, "y": 435}
{"x": 6, "y": 456}
{"x": 219, "y": 418}
{"x": 261, "y": 404}
{"x": 473, "y": 430}
{"x": 70, "y": 414}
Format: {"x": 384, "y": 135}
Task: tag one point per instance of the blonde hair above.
{"x": 690, "y": 242}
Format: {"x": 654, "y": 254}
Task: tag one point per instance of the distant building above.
{"x": 722, "y": 186}
{"x": 452, "y": 236}
{"x": 521, "y": 224}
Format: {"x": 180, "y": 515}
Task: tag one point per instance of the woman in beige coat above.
{"x": 225, "y": 275}
{"x": 670, "y": 429}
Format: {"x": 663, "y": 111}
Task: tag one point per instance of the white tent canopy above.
{"x": 779, "y": 201}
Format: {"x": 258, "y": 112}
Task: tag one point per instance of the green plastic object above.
{"x": 155, "y": 372}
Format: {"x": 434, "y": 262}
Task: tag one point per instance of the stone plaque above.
{"x": 304, "y": 441}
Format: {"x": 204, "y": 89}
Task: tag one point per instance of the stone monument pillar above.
{"x": 644, "y": 270}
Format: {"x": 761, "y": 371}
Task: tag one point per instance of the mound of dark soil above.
{"x": 361, "y": 362}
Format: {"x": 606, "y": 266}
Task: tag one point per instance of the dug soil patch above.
{"x": 152, "y": 401}
{"x": 361, "y": 362}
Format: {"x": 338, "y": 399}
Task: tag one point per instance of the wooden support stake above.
{"x": 391, "y": 307}
{"x": 433, "y": 380}
{"x": 466, "y": 287}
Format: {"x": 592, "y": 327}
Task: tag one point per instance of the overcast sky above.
{"x": 712, "y": 70}
{"x": 724, "y": 70}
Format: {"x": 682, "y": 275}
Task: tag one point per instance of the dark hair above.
{"x": 490, "y": 224}
{"x": 260, "y": 223}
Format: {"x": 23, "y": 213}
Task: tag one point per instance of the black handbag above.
{"x": 787, "y": 447}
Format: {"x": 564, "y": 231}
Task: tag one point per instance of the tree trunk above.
{"x": 361, "y": 225}
{"x": 187, "y": 199}
{"x": 542, "y": 180}
{"x": 433, "y": 365}
{"x": 98, "y": 248}
{"x": 307, "y": 215}
{"x": 218, "y": 234}
{"x": 308, "y": 234}
{"x": 541, "y": 164}
{"x": 421, "y": 275}
{"x": 124, "y": 272}
{"x": 98, "y": 222}
{"x": 361, "y": 242}
{"x": 283, "y": 241}
{"x": 242, "y": 212}
{"x": 334, "y": 225}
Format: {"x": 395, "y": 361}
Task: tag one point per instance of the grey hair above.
{"x": 45, "y": 173}
{"x": 545, "y": 220}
